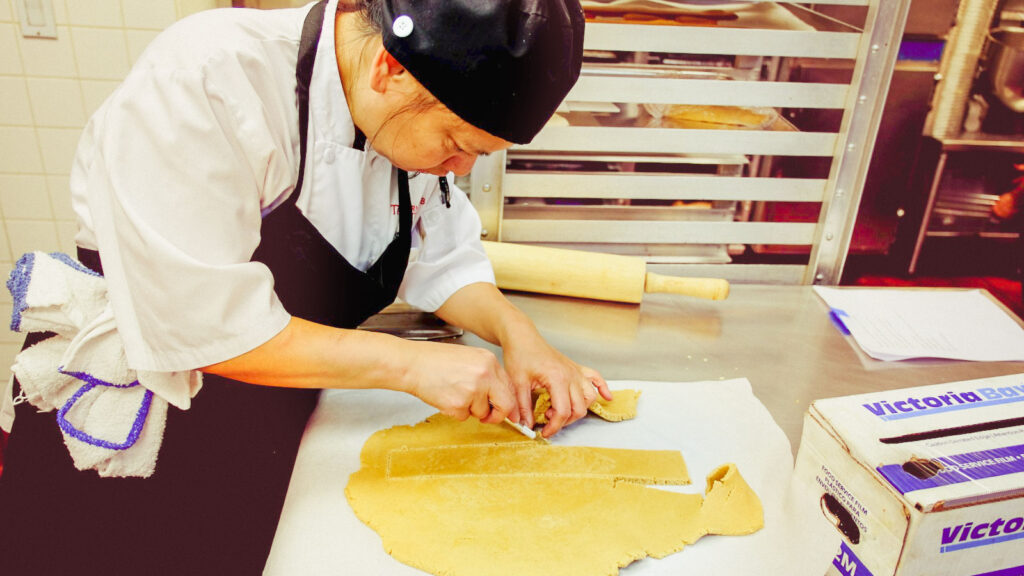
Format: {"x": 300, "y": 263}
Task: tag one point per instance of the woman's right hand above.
{"x": 461, "y": 381}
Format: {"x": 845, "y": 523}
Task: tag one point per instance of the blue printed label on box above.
{"x": 847, "y": 562}
{"x": 919, "y": 474}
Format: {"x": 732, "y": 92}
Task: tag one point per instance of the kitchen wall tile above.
{"x": 7, "y": 13}
{"x": 94, "y": 92}
{"x": 5, "y": 247}
{"x": 105, "y": 13}
{"x": 186, "y": 7}
{"x": 66, "y": 231}
{"x": 59, "y": 189}
{"x": 15, "y": 110}
{"x": 24, "y": 196}
{"x": 149, "y": 14}
{"x": 60, "y": 12}
{"x": 31, "y": 235}
{"x": 57, "y": 102}
{"x": 19, "y": 151}
{"x": 10, "y": 58}
{"x": 100, "y": 53}
{"x": 137, "y": 41}
{"x": 10, "y": 343}
{"x": 8, "y": 337}
{"x": 5, "y": 295}
{"x": 58, "y": 147}
{"x": 48, "y": 56}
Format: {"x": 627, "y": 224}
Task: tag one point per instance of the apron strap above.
{"x": 311, "y": 28}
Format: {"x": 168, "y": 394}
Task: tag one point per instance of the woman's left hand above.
{"x": 532, "y": 363}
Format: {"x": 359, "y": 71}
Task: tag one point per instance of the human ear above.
{"x": 384, "y": 69}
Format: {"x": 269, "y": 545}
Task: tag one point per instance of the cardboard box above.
{"x": 919, "y": 481}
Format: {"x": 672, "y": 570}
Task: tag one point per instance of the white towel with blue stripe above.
{"x": 112, "y": 417}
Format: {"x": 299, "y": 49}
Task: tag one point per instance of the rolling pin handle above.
{"x": 710, "y": 288}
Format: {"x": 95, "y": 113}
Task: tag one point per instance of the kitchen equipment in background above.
{"x": 1006, "y": 67}
{"x": 402, "y": 320}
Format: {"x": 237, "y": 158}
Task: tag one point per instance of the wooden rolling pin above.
{"x": 589, "y": 274}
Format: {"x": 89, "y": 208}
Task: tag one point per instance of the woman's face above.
{"x": 430, "y": 138}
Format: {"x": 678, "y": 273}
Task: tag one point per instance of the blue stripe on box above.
{"x": 958, "y": 468}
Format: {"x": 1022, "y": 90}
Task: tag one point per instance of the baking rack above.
{"x": 613, "y": 175}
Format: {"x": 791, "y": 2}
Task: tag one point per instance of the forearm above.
{"x": 483, "y": 310}
{"x": 309, "y": 355}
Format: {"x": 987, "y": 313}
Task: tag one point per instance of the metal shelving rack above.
{"x": 629, "y": 210}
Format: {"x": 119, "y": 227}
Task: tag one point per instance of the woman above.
{"x": 245, "y": 236}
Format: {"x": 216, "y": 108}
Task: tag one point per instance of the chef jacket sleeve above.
{"x": 179, "y": 170}
{"x": 449, "y": 254}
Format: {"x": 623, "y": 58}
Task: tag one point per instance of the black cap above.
{"x": 503, "y": 66}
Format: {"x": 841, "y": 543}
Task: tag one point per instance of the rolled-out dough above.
{"x": 428, "y": 490}
{"x": 621, "y": 407}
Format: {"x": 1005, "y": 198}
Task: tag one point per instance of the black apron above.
{"x": 213, "y": 503}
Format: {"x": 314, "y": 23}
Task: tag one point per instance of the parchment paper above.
{"x": 711, "y": 423}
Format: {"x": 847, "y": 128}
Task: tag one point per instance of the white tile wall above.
{"x": 95, "y": 13}
{"x": 148, "y": 14}
{"x": 10, "y": 57}
{"x": 48, "y": 89}
{"x": 57, "y": 102}
{"x": 137, "y": 40}
{"x": 24, "y": 196}
{"x": 16, "y": 110}
{"x": 101, "y": 52}
{"x": 19, "y": 151}
{"x": 50, "y": 57}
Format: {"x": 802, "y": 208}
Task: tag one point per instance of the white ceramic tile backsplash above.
{"x": 137, "y": 41}
{"x": 10, "y": 57}
{"x": 24, "y": 196}
{"x": 94, "y": 92}
{"x": 49, "y": 57}
{"x": 31, "y": 235}
{"x": 15, "y": 110}
{"x": 57, "y": 102}
{"x": 148, "y": 14}
{"x": 58, "y": 146}
{"x": 5, "y": 247}
{"x": 101, "y": 53}
{"x": 48, "y": 90}
{"x": 105, "y": 13}
{"x": 19, "y": 151}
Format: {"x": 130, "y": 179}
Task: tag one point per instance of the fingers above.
{"x": 568, "y": 404}
{"x": 501, "y": 401}
{"x": 524, "y": 399}
{"x": 598, "y": 382}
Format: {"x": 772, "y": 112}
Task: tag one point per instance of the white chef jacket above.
{"x": 176, "y": 168}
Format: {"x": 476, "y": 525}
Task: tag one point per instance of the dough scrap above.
{"x": 558, "y": 520}
{"x": 621, "y": 407}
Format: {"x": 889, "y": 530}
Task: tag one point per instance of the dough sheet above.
{"x": 429, "y": 492}
{"x": 621, "y": 407}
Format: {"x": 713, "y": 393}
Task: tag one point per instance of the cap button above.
{"x": 402, "y": 26}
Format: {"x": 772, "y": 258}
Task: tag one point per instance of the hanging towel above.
{"x": 112, "y": 418}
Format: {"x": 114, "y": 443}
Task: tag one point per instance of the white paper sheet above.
{"x": 897, "y": 324}
{"x": 711, "y": 423}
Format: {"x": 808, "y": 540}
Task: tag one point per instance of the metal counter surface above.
{"x": 778, "y": 337}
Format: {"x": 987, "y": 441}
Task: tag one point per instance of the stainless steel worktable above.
{"x": 778, "y": 337}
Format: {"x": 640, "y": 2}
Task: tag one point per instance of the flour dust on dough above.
{"x": 469, "y": 499}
